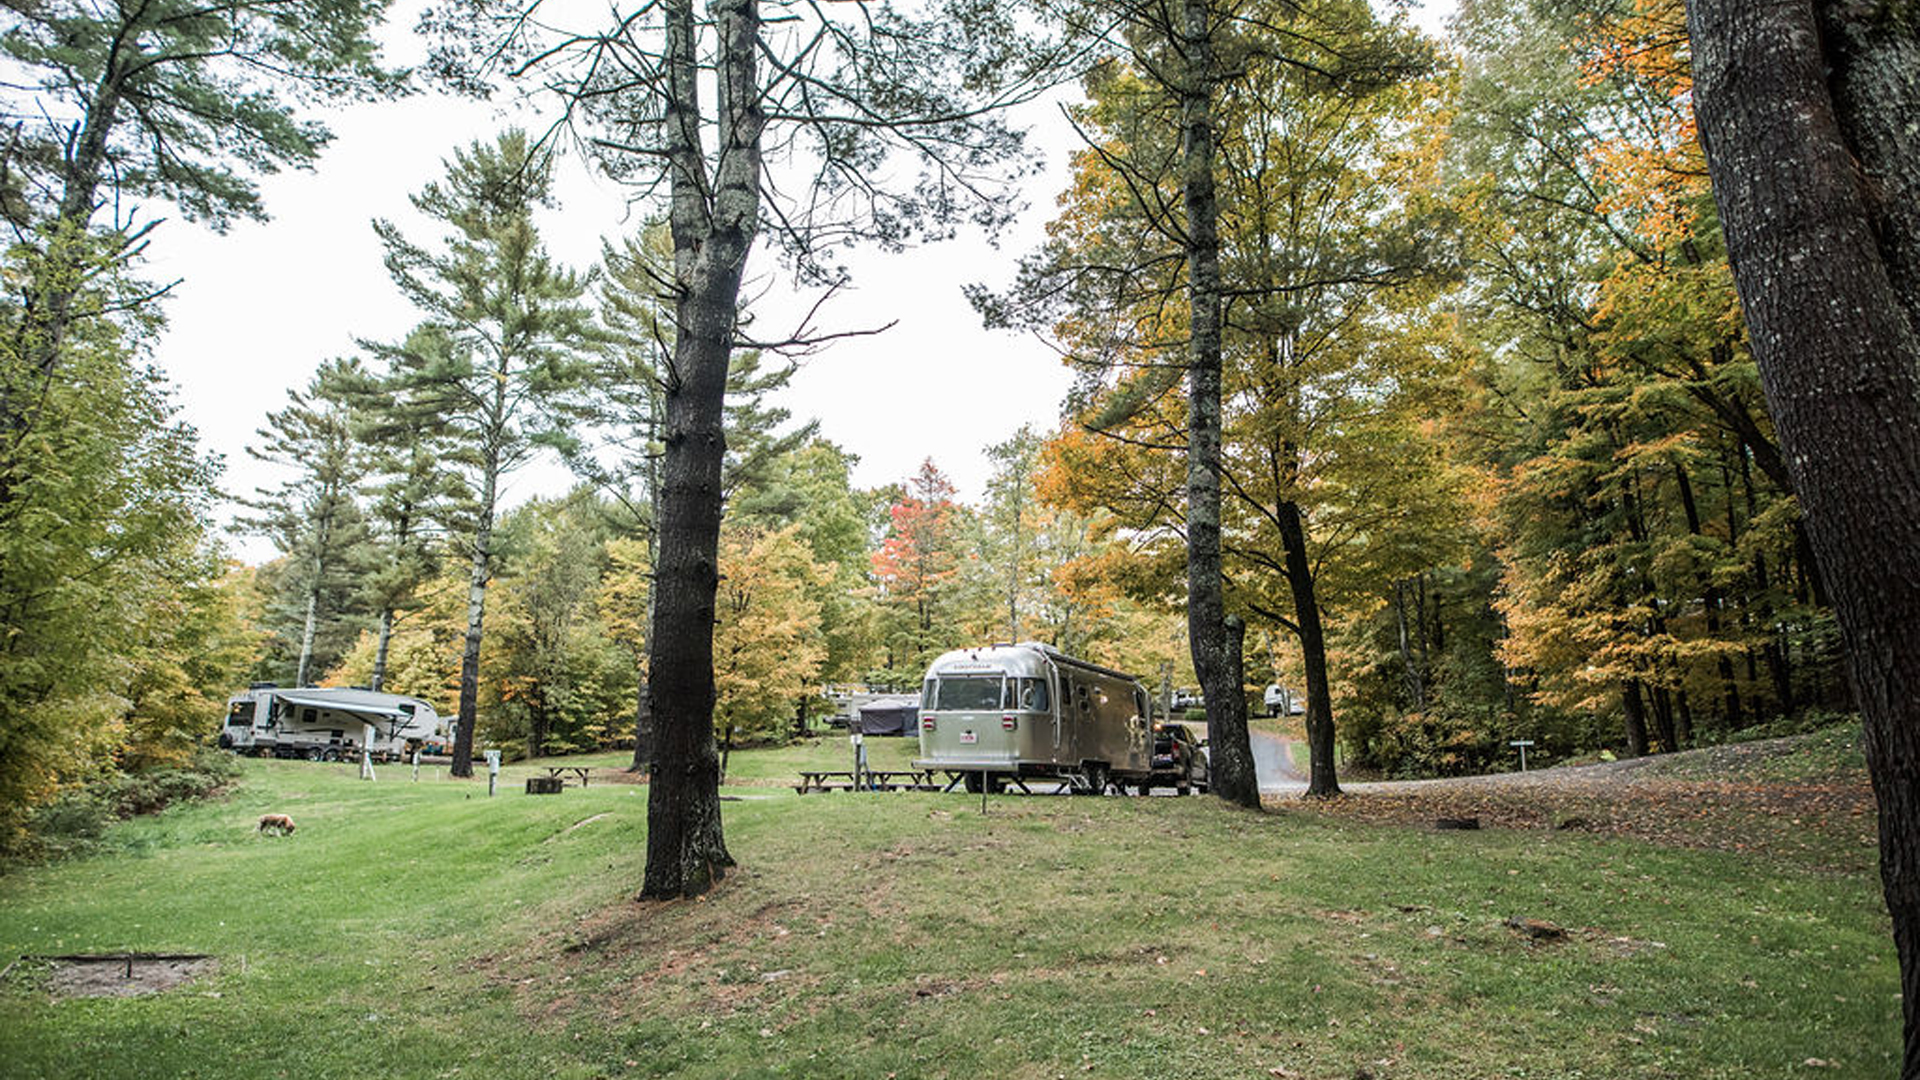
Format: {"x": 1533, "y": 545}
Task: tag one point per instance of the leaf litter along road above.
{"x": 1804, "y": 799}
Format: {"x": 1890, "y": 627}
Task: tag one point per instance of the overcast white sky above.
{"x": 256, "y": 310}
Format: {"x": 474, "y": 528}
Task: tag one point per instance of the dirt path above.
{"x": 1805, "y": 799}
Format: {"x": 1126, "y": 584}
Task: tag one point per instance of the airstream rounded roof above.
{"x": 1028, "y": 658}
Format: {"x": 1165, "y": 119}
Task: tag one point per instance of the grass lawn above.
{"x": 424, "y": 930}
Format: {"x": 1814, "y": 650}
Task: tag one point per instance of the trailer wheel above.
{"x": 313, "y": 753}
{"x": 330, "y": 755}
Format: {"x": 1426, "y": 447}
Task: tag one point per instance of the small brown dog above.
{"x": 279, "y": 823}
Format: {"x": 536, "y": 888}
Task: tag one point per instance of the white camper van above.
{"x": 327, "y": 723}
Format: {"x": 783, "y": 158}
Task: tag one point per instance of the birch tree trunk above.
{"x": 1807, "y": 114}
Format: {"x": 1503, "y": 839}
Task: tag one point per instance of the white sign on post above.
{"x": 1522, "y": 744}
{"x": 493, "y": 771}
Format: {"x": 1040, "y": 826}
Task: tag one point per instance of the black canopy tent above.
{"x": 889, "y": 716}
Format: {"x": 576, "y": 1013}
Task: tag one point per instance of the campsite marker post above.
{"x": 1522, "y": 744}
{"x": 493, "y": 771}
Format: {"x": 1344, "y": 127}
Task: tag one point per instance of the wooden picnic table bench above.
{"x": 558, "y": 772}
{"x": 869, "y": 780}
{"x": 1001, "y": 781}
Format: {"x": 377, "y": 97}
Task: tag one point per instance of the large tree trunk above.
{"x": 477, "y": 578}
{"x": 686, "y": 851}
{"x": 1215, "y": 659}
{"x": 1807, "y": 119}
{"x": 642, "y": 719}
{"x": 1636, "y": 713}
{"x": 469, "y": 709}
{"x": 1321, "y": 779}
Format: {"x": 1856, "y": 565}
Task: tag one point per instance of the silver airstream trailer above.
{"x": 1031, "y": 711}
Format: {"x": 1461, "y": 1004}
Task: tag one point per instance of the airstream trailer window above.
{"x": 1033, "y": 695}
{"x": 241, "y": 714}
{"x": 967, "y": 693}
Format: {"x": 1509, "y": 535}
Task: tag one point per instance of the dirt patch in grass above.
{"x": 115, "y": 976}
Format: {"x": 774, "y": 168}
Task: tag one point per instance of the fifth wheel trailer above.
{"x": 327, "y": 723}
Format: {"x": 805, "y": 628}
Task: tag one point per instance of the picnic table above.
{"x": 559, "y": 772}
{"x": 868, "y": 780}
{"x": 1001, "y": 781}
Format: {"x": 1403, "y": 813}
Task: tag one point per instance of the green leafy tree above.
{"x": 314, "y": 518}
{"x": 410, "y": 494}
{"x": 549, "y": 655}
{"x": 1653, "y": 554}
{"x": 692, "y": 107}
{"x": 106, "y": 502}
{"x": 1238, "y": 223}
{"x": 626, "y": 402}
{"x": 158, "y": 101}
{"x": 500, "y": 351}
{"x": 767, "y": 645}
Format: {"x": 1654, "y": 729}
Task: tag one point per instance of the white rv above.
{"x": 322, "y": 723}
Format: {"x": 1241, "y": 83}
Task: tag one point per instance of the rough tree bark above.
{"x": 480, "y": 571}
{"x": 1636, "y": 718}
{"x": 1806, "y": 112}
{"x": 713, "y": 229}
{"x": 1321, "y": 781}
{"x": 1215, "y": 660}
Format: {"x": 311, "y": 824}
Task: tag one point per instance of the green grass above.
{"x": 424, "y": 930}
